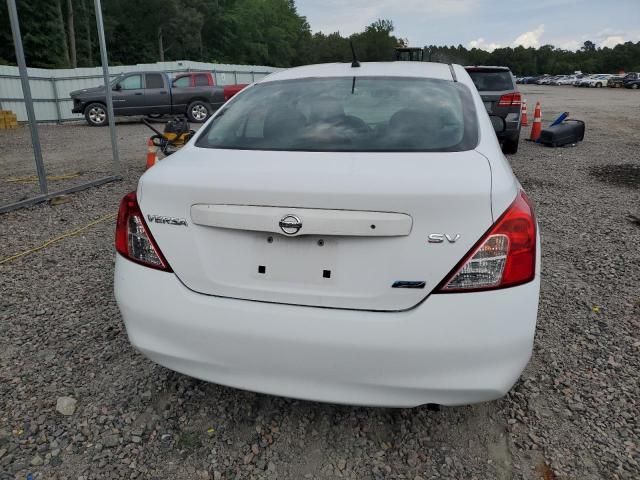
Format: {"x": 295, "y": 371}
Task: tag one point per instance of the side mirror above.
{"x": 499, "y": 124}
{"x": 117, "y": 87}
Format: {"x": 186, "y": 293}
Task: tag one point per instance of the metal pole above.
{"x": 56, "y": 99}
{"x": 107, "y": 86}
{"x": 26, "y": 91}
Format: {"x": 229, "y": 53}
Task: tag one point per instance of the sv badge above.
{"x": 441, "y": 237}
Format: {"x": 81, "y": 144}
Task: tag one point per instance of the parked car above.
{"x": 556, "y": 79}
{"x": 632, "y": 80}
{"x": 370, "y": 249}
{"x": 151, "y": 93}
{"x": 582, "y": 82}
{"x": 540, "y": 80}
{"x": 502, "y": 98}
{"x": 615, "y": 81}
{"x": 568, "y": 80}
{"x": 548, "y": 80}
{"x": 595, "y": 81}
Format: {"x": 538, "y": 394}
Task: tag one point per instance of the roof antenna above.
{"x": 355, "y": 63}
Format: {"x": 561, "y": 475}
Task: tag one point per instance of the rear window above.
{"x": 492, "y": 81}
{"x": 363, "y": 114}
{"x": 202, "y": 80}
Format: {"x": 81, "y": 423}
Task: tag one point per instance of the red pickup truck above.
{"x": 201, "y": 79}
{"x": 198, "y": 79}
{"x": 231, "y": 90}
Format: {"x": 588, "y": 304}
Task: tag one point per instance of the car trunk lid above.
{"x": 341, "y": 230}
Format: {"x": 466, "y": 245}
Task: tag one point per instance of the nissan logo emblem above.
{"x": 290, "y": 224}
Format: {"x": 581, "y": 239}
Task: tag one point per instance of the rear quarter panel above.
{"x": 504, "y": 185}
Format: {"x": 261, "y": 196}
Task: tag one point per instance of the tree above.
{"x": 71, "y": 34}
{"x": 376, "y": 42}
{"x": 259, "y": 32}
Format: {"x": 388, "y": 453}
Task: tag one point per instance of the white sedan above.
{"x": 597, "y": 81}
{"x": 341, "y": 234}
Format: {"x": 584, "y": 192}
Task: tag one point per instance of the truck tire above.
{"x": 96, "y": 114}
{"x": 198, "y": 111}
{"x": 510, "y": 145}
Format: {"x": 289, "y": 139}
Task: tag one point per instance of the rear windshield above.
{"x": 492, "y": 81}
{"x": 364, "y": 114}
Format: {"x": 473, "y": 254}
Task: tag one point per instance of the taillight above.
{"x": 133, "y": 238}
{"x": 510, "y": 99}
{"x": 504, "y": 257}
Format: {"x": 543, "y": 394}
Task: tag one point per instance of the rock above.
{"x": 136, "y": 439}
{"x": 37, "y": 461}
{"x": 66, "y": 405}
{"x": 110, "y": 440}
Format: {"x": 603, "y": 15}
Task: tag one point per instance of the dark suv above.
{"x": 497, "y": 87}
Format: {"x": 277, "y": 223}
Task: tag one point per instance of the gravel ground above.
{"x": 573, "y": 415}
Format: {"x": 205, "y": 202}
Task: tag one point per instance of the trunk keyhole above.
{"x": 326, "y": 273}
{"x": 262, "y": 269}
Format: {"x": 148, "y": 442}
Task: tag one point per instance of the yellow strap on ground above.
{"x": 58, "y": 238}
{"x": 34, "y": 179}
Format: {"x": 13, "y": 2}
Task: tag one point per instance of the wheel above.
{"x": 634, "y": 86}
{"x": 155, "y": 116}
{"x": 96, "y": 114}
{"x": 598, "y": 85}
{"x": 198, "y": 111}
{"x": 510, "y": 145}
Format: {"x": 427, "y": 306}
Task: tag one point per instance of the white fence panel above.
{"x": 51, "y": 89}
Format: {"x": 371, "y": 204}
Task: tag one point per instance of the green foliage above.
{"x": 259, "y": 32}
{"x": 43, "y": 33}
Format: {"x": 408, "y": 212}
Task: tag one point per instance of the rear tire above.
{"x": 198, "y": 111}
{"x": 634, "y": 86}
{"x": 510, "y": 145}
{"x": 96, "y": 114}
{"x": 598, "y": 85}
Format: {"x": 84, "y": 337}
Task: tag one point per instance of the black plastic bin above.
{"x": 569, "y": 131}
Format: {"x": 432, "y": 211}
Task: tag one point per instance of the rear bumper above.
{"x": 452, "y": 349}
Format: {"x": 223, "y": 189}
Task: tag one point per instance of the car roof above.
{"x": 366, "y": 69}
{"x": 487, "y": 67}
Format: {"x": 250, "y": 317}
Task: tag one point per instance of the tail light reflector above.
{"x": 133, "y": 238}
{"x": 510, "y": 99}
{"x": 504, "y": 257}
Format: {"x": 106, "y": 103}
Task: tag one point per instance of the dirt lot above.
{"x": 573, "y": 415}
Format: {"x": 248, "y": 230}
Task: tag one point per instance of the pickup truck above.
{"x": 192, "y": 94}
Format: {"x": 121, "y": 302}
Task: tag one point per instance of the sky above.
{"x": 486, "y": 24}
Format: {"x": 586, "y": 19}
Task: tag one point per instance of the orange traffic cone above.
{"x": 537, "y": 123}
{"x": 152, "y": 154}
{"x": 524, "y": 120}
